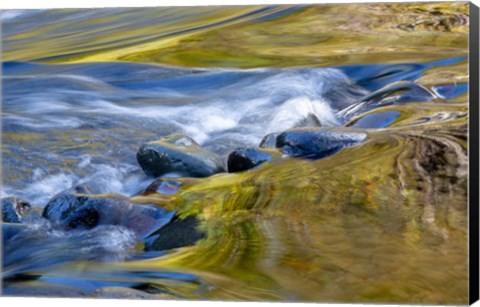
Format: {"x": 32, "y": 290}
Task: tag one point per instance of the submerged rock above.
{"x": 178, "y": 233}
{"x": 80, "y": 212}
{"x": 169, "y": 186}
{"x": 316, "y": 143}
{"x": 247, "y": 158}
{"x": 163, "y": 186}
{"x": 178, "y": 153}
{"x": 14, "y": 210}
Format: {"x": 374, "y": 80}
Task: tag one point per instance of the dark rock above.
{"x": 14, "y": 210}
{"x": 85, "y": 217}
{"x": 178, "y": 233}
{"x": 80, "y": 212}
{"x": 61, "y": 206}
{"x": 247, "y": 158}
{"x": 316, "y": 143}
{"x": 180, "y": 154}
{"x": 269, "y": 141}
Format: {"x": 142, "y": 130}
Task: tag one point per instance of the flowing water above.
{"x": 383, "y": 221}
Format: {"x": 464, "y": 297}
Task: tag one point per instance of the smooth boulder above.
{"x": 61, "y": 206}
{"x": 79, "y": 212}
{"x": 14, "y": 210}
{"x": 178, "y": 154}
{"x": 247, "y": 158}
{"x": 177, "y": 233}
{"x": 316, "y": 143}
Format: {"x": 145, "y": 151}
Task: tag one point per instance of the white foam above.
{"x": 47, "y": 122}
{"x": 297, "y": 109}
{"x": 11, "y": 15}
{"x": 4, "y": 191}
{"x": 38, "y": 173}
{"x": 85, "y": 161}
{"x": 107, "y": 178}
{"x": 105, "y": 242}
{"x": 43, "y": 190}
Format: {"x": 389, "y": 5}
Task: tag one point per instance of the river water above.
{"x": 371, "y": 223}
{"x": 88, "y": 120}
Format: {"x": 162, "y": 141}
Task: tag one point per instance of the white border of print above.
{"x": 32, "y": 4}
{"x": 57, "y": 302}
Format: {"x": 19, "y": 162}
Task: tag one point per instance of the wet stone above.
{"x": 14, "y": 210}
{"x": 178, "y": 233}
{"x": 317, "y": 143}
{"x": 248, "y": 158}
{"x": 179, "y": 154}
{"x": 79, "y": 212}
{"x": 61, "y": 206}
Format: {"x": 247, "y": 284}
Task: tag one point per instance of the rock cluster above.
{"x": 172, "y": 156}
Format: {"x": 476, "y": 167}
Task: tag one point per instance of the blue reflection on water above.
{"x": 374, "y": 77}
{"x": 377, "y": 120}
{"x": 451, "y": 90}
